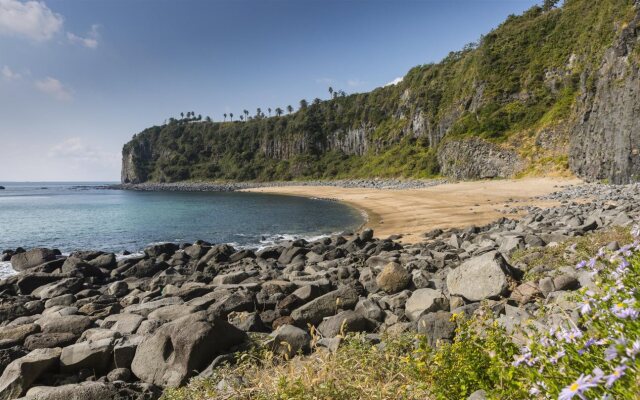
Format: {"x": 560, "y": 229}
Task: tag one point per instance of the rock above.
{"x": 18, "y": 333}
{"x": 482, "y": 277}
{"x": 75, "y": 324}
{"x": 157, "y": 250}
{"x": 230, "y": 278}
{"x": 106, "y": 261}
{"x": 546, "y": 285}
{"x": 30, "y": 281}
{"x": 118, "y": 289}
{"x": 437, "y": 327}
{"x": 32, "y": 258}
{"x": 393, "y": 278}
{"x": 370, "y": 310}
{"x": 247, "y": 322}
{"x": 145, "y": 309}
{"x": 478, "y": 395}
{"x": 366, "y": 235}
{"x": 424, "y": 301}
{"x": 326, "y": 305}
{"x": 288, "y": 340}
{"x": 49, "y": 340}
{"x": 342, "y": 323}
{"x": 58, "y": 288}
{"x": 10, "y": 354}
{"x": 21, "y": 373}
{"x": 124, "y": 323}
{"x": 565, "y": 282}
{"x": 119, "y": 374}
{"x": 93, "y": 355}
{"x": 526, "y": 293}
{"x": 76, "y": 391}
{"x": 177, "y": 350}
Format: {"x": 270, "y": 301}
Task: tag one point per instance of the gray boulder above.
{"x": 424, "y": 301}
{"x": 482, "y": 277}
{"x": 326, "y": 305}
{"x": 177, "y": 350}
{"x": 32, "y": 258}
{"x": 437, "y": 327}
{"x": 93, "y": 355}
{"x": 21, "y": 373}
{"x": 289, "y": 340}
{"x": 77, "y": 391}
{"x": 344, "y": 322}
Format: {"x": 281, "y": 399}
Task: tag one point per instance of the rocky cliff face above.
{"x": 490, "y": 111}
{"x": 605, "y": 143}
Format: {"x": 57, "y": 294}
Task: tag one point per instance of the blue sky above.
{"x": 79, "y": 78}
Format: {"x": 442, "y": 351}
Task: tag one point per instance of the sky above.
{"x": 79, "y": 78}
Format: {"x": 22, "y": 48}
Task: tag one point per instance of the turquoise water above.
{"x": 72, "y": 216}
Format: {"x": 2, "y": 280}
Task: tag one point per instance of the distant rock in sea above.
{"x": 1, "y": 187}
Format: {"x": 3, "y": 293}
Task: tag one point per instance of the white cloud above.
{"x": 10, "y": 75}
{"x": 325, "y": 81}
{"x": 76, "y": 151}
{"x": 395, "y": 81}
{"x": 54, "y": 88}
{"x": 90, "y": 41}
{"x": 32, "y": 19}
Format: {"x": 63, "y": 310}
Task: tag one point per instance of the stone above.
{"x": 157, "y": 250}
{"x": 546, "y": 285}
{"x": 247, "y": 321}
{"x": 177, "y": 350}
{"x": 118, "y": 289}
{"x": 76, "y": 391}
{"x": 63, "y": 300}
{"x": 7, "y": 355}
{"x": 32, "y": 258}
{"x": 58, "y": 288}
{"x": 119, "y": 374}
{"x": 172, "y": 312}
{"x": 18, "y": 333}
{"x": 326, "y": 305}
{"x": 289, "y": 340}
{"x": 565, "y": 282}
{"x": 342, "y": 323}
{"x": 526, "y": 292}
{"x": 124, "y": 323}
{"x": 393, "y": 278}
{"x": 145, "y": 309}
{"x": 478, "y": 395}
{"x": 21, "y": 373}
{"x": 49, "y": 340}
{"x": 230, "y": 278}
{"x": 479, "y": 278}
{"x": 424, "y": 301}
{"x": 437, "y": 327}
{"x": 370, "y": 310}
{"x": 93, "y": 355}
{"x": 75, "y": 324}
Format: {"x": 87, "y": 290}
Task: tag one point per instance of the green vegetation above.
{"x": 600, "y": 359}
{"x": 524, "y": 75}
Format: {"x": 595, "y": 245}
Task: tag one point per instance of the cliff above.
{"x": 553, "y": 88}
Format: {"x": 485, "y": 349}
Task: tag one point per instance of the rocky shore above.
{"x": 88, "y": 326}
{"x": 389, "y": 184}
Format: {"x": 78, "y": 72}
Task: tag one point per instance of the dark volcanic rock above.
{"x": 32, "y": 258}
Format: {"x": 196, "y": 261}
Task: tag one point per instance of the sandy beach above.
{"x": 413, "y": 212}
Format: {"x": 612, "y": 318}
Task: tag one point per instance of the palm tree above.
{"x": 241, "y": 118}
{"x": 181, "y": 115}
{"x": 289, "y": 109}
{"x": 246, "y": 114}
{"x": 225, "y": 116}
{"x": 330, "y": 91}
{"x": 208, "y": 119}
{"x": 303, "y": 104}
{"x": 199, "y": 117}
{"x": 231, "y": 116}
{"x": 269, "y": 109}
{"x": 278, "y": 111}
{"x": 258, "y": 112}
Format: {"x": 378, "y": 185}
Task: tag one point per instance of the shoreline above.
{"x": 413, "y": 212}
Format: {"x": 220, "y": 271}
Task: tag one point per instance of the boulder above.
{"x": 124, "y": 323}
{"x": 393, "y": 278}
{"x": 526, "y": 293}
{"x": 424, "y": 301}
{"x": 344, "y": 322}
{"x": 177, "y": 350}
{"x": 58, "y": 288}
{"x": 479, "y": 278}
{"x": 289, "y": 340}
{"x": 92, "y": 355}
{"x": 437, "y": 327}
{"x": 326, "y": 305}
{"x": 76, "y": 391}
{"x": 21, "y": 373}
{"x": 18, "y": 333}
{"x": 75, "y": 324}
{"x": 49, "y": 340}
{"x": 32, "y": 258}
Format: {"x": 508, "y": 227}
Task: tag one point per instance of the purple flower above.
{"x": 592, "y": 263}
{"x": 577, "y": 388}
{"x": 635, "y": 232}
{"x": 624, "y": 310}
{"x": 617, "y": 373}
{"x": 559, "y": 355}
{"x": 581, "y": 264}
{"x": 611, "y": 353}
{"x": 633, "y": 351}
{"x": 586, "y": 307}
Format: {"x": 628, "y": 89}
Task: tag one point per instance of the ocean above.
{"x": 85, "y": 215}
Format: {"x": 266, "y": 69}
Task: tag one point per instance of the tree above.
{"x": 316, "y": 101}
{"x": 303, "y": 104}
{"x": 246, "y": 114}
{"x": 199, "y": 117}
{"x": 181, "y": 115}
{"x": 258, "y": 112}
{"x": 208, "y": 119}
{"x": 225, "y": 116}
{"x": 549, "y": 4}
{"x": 330, "y": 91}
{"x": 241, "y": 118}
{"x": 269, "y": 109}
{"x": 289, "y": 109}
{"x": 278, "y": 111}
{"x": 231, "y": 116}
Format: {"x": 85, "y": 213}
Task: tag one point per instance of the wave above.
{"x": 6, "y": 270}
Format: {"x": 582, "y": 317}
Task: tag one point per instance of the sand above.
{"x": 411, "y": 213}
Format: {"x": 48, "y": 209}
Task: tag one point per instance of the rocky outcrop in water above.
{"x": 90, "y": 326}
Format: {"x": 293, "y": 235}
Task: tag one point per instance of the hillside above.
{"x": 550, "y": 90}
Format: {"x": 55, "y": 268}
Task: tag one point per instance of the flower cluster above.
{"x": 597, "y": 357}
